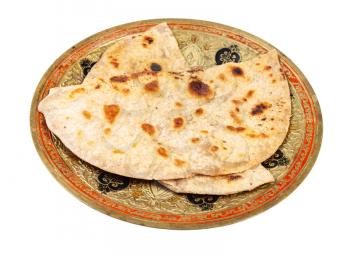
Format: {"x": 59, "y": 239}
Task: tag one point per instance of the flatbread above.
{"x": 169, "y": 125}
{"x": 221, "y": 185}
{"x": 152, "y": 50}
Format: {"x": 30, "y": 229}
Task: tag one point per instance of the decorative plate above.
{"x": 146, "y": 202}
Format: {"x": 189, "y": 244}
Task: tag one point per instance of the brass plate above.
{"x": 146, "y": 202}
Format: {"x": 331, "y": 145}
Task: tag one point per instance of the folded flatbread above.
{"x": 221, "y": 185}
{"x": 125, "y": 56}
{"x": 157, "y": 124}
{"x": 154, "y": 50}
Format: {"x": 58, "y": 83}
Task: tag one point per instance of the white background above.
{"x": 39, "y": 217}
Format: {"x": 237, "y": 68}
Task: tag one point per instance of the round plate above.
{"x": 146, "y": 202}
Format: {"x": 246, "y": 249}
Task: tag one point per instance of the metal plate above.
{"x": 146, "y": 202}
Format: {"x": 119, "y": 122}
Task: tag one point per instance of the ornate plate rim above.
{"x": 164, "y": 225}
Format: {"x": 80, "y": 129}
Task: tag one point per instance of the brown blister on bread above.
{"x": 162, "y": 152}
{"x": 117, "y": 151}
{"x": 147, "y": 40}
{"x": 260, "y": 108}
{"x": 126, "y": 91}
{"x": 107, "y": 131}
{"x": 148, "y": 128}
{"x": 178, "y": 122}
{"x": 222, "y": 77}
{"x": 235, "y": 117}
{"x": 195, "y": 140}
{"x": 113, "y": 61}
{"x": 86, "y": 114}
{"x": 199, "y": 111}
{"x": 254, "y": 135}
{"x": 76, "y": 91}
{"x": 237, "y": 102}
{"x": 178, "y": 104}
{"x": 199, "y": 89}
{"x": 152, "y": 86}
{"x": 179, "y": 162}
{"x": 111, "y": 112}
{"x": 214, "y": 148}
{"x": 235, "y": 129}
{"x": 249, "y": 94}
{"x": 119, "y": 79}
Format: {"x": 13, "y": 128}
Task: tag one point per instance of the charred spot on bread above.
{"x": 98, "y": 86}
{"x": 199, "y": 111}
{"x": 260, "y": 108}
{"x": 178, "y": 122}
{"x": 111, "y": 112}
{"x": 162, "y": 152}
{"x": 148, "y": 128}
{"x": 148, "y": 39}
{"x": 199, "y": 89}
{"x": 237, "y": 71}
{"x": 119, "y": 79}
{"x": 152, "y": 86}
{"x": 156, "y": 67}
{"x": 268, "y": 67}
